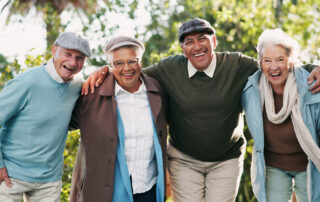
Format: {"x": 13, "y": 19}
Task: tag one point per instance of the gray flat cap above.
{"x": 74, "y": 41}
{"x": 193, "y": 26}
{"x": 119, "y": 41}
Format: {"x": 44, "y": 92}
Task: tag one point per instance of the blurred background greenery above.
{"x": 238, "y": 24}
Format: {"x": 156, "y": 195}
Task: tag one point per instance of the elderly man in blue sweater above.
{"x": 36, "y": 108}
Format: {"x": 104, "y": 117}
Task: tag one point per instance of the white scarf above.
{"x": 291, "y": 106}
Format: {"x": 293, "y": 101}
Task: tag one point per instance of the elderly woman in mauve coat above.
{"x": 284, "y": 120}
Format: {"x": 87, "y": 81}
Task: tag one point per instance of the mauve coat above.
{"x": 96, "y": 116}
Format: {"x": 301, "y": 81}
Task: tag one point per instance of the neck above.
{"x": 278, "y": 89}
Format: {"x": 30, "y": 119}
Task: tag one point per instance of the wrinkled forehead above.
{"x": 70, "y": 51}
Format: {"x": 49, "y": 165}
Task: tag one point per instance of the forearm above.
{"x": 309, "y": 67}
{"x": 151, "y": 70}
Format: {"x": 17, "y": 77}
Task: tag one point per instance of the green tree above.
{"x": 238, "y": 25}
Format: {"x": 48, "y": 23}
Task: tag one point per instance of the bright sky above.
{"x": 18, "y": 39}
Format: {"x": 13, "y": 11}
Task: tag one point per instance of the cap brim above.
{"x": 121, "y": 44}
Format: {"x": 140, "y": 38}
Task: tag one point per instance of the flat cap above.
{"x": 193, "y": 26}
{"x": 119, "y": 41}
{"x": 74, "y": 41}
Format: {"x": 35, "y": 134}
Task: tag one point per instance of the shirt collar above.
{"x": 53, "y": 72}
{"x": 209, "y": 71}
{"x": 118, "y": 90}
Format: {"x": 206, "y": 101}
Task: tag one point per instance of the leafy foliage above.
{"x": 238, "y": 25}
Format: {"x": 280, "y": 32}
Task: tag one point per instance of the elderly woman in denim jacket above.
{"x": 284, "y": 120}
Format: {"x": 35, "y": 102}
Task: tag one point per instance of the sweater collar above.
{"x": 209, "y": 71}
{"x": 53, "y": 72}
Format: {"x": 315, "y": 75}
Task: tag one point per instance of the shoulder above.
{"x": 26, "y": 78}
{"x": 301, "y": 76}
{"x": 30, "y": 74}
{"x": 151, "y": 83}
{"x": 174, "y": 59}
{"x": 234, "y": 56}
{"x": 76, "y": 82}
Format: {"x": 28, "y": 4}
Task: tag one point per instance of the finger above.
{"x": 316, "y": 87}
{"x": 100, "y": 79}
{"x": 8, "y": 182}
{"x": 311, "y": 77}
{"x": 85, "y": 87}
{"x": 82, "y": 88}
{"x": 92, "y": 82}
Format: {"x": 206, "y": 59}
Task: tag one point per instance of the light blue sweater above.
{"x": 35, "y": 112}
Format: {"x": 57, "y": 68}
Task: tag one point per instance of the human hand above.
{"x": 94, "y": 80}
{"x": 4, "y": 177}
{"x": 315, "y": 75}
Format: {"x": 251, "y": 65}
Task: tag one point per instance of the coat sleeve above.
{"x": 77, "y": 175}
{"x": 75, "y": 118}
{"x": 13, "y": 99}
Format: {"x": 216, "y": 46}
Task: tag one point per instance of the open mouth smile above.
{"x": 68, "y": 68}
{"x": 200, "y": 54}
{"x": 276, "y": 74}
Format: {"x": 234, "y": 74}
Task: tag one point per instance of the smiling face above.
{"x": 67, "y": 62}
{"x": 275, "y": 63}
{"x": 198, "y": 48}
{"x": 126, "y": 67}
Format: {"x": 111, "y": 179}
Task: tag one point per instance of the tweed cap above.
{"x": 119, "y": 41}
{"x": 74, "y": 41}
{"x": 193, "y": 26}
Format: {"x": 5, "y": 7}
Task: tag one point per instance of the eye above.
{"x": 188, "y": 43}
{"x": 118, "y": 63}
{"x": 80, "y": 59}
{"x": 133, "y": 62}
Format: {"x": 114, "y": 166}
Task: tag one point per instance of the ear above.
{"x": 214, "y": 41}
{"x": 54, "y": 50}
{"x": 182, "y": 47}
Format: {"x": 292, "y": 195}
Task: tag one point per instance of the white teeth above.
{"x": 128, "y": 74}
{"x": 275, "y": 74}
{"x": 200, "y": 54}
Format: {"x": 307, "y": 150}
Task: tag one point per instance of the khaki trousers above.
{"x": 197, "y": 181}
{"x": 30, "y": 192}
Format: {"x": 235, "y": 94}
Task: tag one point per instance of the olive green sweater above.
{"x": 203, "y": 112}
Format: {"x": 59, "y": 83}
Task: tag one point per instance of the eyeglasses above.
{"x": 119, "y": 64}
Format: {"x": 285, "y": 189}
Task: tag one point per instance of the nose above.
{"x": 273, "y": 65}
{"x": 197, "y": 45}
{"x": 73, "y": 62}
{"x": 126, "y": 66}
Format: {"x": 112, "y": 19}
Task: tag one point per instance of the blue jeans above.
{"x": 281, "y": 183}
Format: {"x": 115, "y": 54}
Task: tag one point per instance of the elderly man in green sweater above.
{"x": 205, "y": 154}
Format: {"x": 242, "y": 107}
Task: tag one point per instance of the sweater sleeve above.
{"x": 248, "y": 64}
{"x": 13, "y": 99}
{"x": 152, "y": 70}
{"x": 309, "y": 67}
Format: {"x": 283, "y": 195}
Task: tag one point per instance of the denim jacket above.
{"x": 310, "y": 109}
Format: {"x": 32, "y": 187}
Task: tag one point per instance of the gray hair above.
{"x": 278, "y": 37}
{"x": 139, "y": 51}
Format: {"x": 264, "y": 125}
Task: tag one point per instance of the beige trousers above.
{"x": 197, "y": 181}
{"x": 30, "y": 192}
